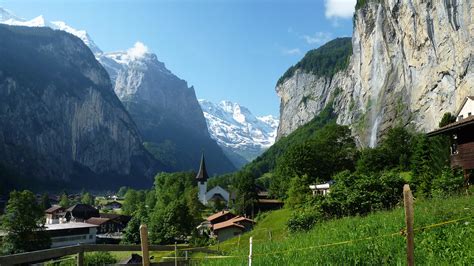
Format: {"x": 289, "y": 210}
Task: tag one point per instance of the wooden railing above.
{"x": 79, "y": 250}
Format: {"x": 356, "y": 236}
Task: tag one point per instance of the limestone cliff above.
{"x": 61, "y": 125}
{"x": 411, "y": 62}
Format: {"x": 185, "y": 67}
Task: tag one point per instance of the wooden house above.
{"x": 462, "y": 138}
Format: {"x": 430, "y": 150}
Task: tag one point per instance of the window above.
{"x": 460, "y": 117}
{"x": 469, "y": 114}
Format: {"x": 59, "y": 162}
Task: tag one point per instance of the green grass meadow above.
{"x": 371, "y": 240}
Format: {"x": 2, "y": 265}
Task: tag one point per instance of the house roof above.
{"x": 202, "y": 174}
{"x": 268, "y": 201}
{"x": 81, "y": 207}
{"x": 237, "y": 219}
{"x": 71, "y": 225}
{"x": 453, "y": 126}
{"x": 218, "y": 215}
{"x": 226, "y": 224}
{"x": 97, "y": 220}
{"x": 54, "y": 208}
{"x": 113, "y": 202}
{"x": 463, "y": 103}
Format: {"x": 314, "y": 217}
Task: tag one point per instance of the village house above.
{"x": 55, "y": 215}
{"x": 73, "y": 233}
{"x": 461, "y": 133}
{"x": 114, "y": 205}
{"x": 265, "y": 202}
{"x": 231, "y": 228}
{"x": 215, "y": 194}
{"x": 321, "y": 189}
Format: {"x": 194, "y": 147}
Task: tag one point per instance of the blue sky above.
{"x": 227, "y": 49}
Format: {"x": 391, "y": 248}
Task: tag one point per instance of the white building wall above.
{"x": 466, "y": 109}
{"x": 62, "y": 241}
{"x": 202, "y": 192}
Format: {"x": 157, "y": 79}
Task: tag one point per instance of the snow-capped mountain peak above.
{"x": 235, "y": 128}
{"x": 6, "y": 17}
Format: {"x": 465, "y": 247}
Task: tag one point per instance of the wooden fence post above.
{"x": 175, "y": 253}
{"x": 144, "y": 242}
{"x": 270, "y": 235}
{"x": 409, "y": 220}
{"x": 238, "y": 243}
{"x": 80, "y": 256}
{"x": 250, "y": 252}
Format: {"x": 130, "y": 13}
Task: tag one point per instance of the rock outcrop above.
{"x": 61, "y": 125}
{"x": 412, "y": 61}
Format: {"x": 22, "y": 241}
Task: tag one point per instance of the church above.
{"x": 216, "y": 194}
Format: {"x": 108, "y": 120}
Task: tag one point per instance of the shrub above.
{"x": 359, "y": 194}
{"x": 449, "y": 182}
{"x": 99, "y": 258}
{"x": 302, "y": 220}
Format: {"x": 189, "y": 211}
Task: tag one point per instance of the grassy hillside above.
{"x": 377, "y": 238}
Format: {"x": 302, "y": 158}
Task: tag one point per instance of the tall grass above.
{"x": 449, "y": 244}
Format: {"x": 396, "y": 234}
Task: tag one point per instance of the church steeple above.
{"x": 202, "y": 174}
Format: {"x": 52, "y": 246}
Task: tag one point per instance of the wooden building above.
{"x": 462, "y": 138}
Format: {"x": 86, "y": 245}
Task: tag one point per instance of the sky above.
{"x": 227, "y": 49}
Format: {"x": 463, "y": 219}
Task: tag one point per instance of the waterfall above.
{"x": 373, "y": 132}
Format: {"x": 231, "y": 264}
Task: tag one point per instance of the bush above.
{"x": 449, "y": 182}
{"x": 99, "y": 258}
{"x": 302, "y": 220}
{"x": 359, "y": 194}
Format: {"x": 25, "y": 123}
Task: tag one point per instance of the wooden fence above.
{"x": 79, "y": 250}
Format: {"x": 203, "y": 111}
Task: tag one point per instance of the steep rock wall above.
{"x": 412, "y": 61}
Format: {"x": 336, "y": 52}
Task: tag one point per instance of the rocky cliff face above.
{"x": 412, "y": 61}
{"x": 165, "y": 110}
{"x": 60, "y": 120}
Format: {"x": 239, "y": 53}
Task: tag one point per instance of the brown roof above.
{"x": 240, "y": 219}
{"x": 226, "y": 224}
{"x": 97, "y": 220}
{"x": 217, "y": 215}
{"x": 54, "y": 208}
{"x": 450, "y": 127}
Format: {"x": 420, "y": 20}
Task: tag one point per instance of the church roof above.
{"x": 202, "y": 174}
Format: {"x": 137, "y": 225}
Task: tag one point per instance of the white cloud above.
{"x": 317, "y": 38}
{"x": 294, "y": 51}
{"x": 339, "y": 8}
{"x": 137, "y": 51}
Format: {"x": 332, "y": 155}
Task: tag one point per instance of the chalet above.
{"x": 215, "y": 194}
{"x": 232, "y": 227}
{"x": 265, "y": 202}
{"x": 73, "y": 233}
{"x": 114, "y": 205}
{"x": 104, "y": 225}
{"x": 109, "y": 223}
{"x": 462, "y": 138}
{"x": 321, "y": 189}
{"x": 80, "y": 213}
{"x": 220, "y": 217}
{"x": 121, "y": 219}
{"x": 55, "y": 214}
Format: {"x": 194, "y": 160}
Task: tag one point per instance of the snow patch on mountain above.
{"x": 234, "y": 127}
{"x": 6, "y": 17}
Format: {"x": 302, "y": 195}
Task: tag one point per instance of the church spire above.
{"x": 202, "y": 174}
